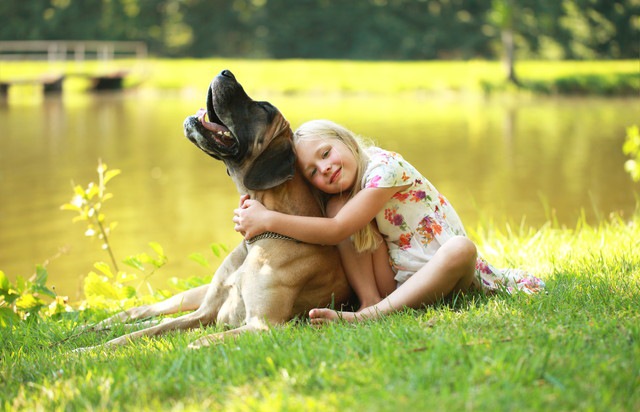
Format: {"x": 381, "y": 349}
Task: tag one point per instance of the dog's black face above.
{"x": 251, "y": 137}
{"x": 232, "y": 114}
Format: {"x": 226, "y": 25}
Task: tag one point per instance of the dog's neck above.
{"x": 292, "y": 197}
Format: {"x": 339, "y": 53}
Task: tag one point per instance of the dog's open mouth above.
{"x": 221, "y": 134}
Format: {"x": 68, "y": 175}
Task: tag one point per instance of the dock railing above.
{"x": 65, "y": 50}
{"x": 108, "y": 76}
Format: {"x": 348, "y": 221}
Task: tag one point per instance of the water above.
{"x": 509, "y": 161}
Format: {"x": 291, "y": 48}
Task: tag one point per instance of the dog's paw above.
{"x": 204, "y": 341}
{"x": 84, "y": 349}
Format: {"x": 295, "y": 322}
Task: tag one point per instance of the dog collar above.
{"x": 270, "y": 235}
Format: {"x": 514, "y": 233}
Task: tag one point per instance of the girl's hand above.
{"x": 250, "y": 217}
{"x": 243, "y": 199}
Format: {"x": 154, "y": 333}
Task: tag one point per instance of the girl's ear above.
{"x": 274, "y": 166}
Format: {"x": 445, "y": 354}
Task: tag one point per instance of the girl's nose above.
{"x": 325, "y": 167}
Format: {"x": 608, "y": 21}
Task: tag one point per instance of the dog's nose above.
{"x": 227, "y": 73}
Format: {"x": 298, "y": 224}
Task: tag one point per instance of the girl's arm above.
{"x": 252, "y": 218}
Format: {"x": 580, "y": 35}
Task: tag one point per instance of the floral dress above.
{"x": 418, "y": 220}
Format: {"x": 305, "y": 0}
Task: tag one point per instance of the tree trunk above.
{"x": 509, "y": 55}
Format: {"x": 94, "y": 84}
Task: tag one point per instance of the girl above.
{"x": 401, "y": 242}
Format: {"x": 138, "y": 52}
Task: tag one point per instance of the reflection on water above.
{"x": 499, "y": 160}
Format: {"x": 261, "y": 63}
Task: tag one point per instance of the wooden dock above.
{"x": 55, "y": 52}
{"x": 50, "y": 83}
{"x": 53, "y": 83}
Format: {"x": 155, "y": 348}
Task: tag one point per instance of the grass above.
{"x": 575, "y": 347}
{"x": 335, "y": 76}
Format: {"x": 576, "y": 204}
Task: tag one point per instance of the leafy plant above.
{"x": 631, "y": 147}
{"x": 219, "y": 250}
{"x": 88, "y": 203}
{"x": 105, "y": 287}
{"x": 27, "y": 298}
{"x": 108, "y": 287}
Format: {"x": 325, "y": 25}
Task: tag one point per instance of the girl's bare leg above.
{"x": 369, "y": 274}
{"x": 451, "y": 269}
{"x": 384, "y": 274}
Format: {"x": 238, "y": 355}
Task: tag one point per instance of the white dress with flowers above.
{"x": 418, "y": 220}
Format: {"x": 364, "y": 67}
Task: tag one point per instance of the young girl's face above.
{"x": 328, "y": 164}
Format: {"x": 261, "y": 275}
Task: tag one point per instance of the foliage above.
{"x": 631, "y": 147}
{"x": 88, "y": 203}
{"x": 610, "y": 84}
{"x": 107, "y": 288}
{"x": 219, "y": 250}
{"x": 572, "y": 348}
{"x": 27, "y": 298}
{"x": 502, "y": 16}
{"x": 104, "y": 289}
{"x": 385, "y": 29}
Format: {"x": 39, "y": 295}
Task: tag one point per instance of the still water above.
{"x": 503, "y": 160}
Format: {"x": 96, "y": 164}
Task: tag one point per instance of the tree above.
{"x": 339, "y": 29}
{"x": 502, "y": 16}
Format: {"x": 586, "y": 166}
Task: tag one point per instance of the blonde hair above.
{"x": 367, "y": 238}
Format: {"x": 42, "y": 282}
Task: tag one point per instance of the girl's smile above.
{"x": 335, "y": 175}
{"x": 328, "y": 164}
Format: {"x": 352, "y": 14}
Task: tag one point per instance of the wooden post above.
{"x": 52, "y": 84}
{"x": 109, "y": 82}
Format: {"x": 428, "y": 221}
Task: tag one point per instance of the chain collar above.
{"x": 269, "y": 235}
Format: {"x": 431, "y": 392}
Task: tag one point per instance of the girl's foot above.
{"x": 322, "y": 315}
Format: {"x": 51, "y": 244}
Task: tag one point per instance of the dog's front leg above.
{"x": 186, "y": 301}
{"x": 254, "y": 325}
{"x": 189, "y": 321}
{"x": 182, "y": 302}
{"x": 268, "y": 302}
{"x": 206, "y": 314}
{"x": 206, "y": 300}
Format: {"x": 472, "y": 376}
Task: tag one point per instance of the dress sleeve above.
{"x": 386, "y": 170}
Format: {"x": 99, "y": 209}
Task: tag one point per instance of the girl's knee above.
{"x": 463, "y": 257}
{"x": 463, "y": 251}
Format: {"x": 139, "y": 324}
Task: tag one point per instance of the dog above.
{"x": 267, "y": 280}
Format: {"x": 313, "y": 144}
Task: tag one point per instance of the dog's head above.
{"x": 251, "y": 137}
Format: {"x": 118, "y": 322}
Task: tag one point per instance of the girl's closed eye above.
{"x": 323, "y": 155}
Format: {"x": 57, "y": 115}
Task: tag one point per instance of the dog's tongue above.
{"x": 214, "y": 127}
{"x": 221, "y": 134}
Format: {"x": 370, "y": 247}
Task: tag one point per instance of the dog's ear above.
{"x": 272, "y": 167}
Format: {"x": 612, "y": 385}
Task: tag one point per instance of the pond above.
{"x": 508, "y": 161}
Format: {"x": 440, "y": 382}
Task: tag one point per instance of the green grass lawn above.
{"x": 576, "y": 347}
{"x": 336, "y": 76}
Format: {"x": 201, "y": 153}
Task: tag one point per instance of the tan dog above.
{"x": 264, "y": 281}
